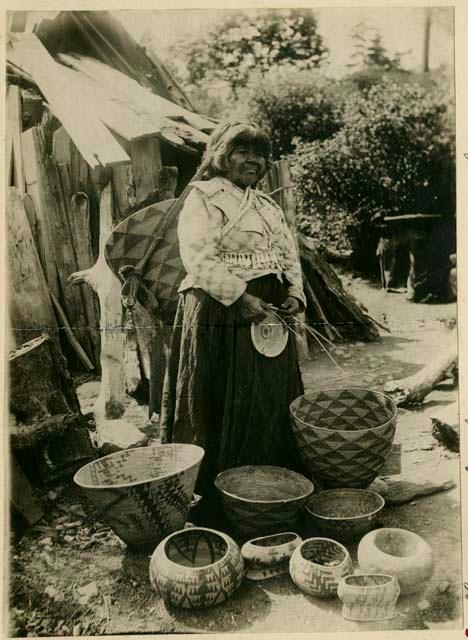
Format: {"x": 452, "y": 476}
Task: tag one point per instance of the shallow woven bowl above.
{"x": 196, "y": 568}
{"x": 343, "y": 514}
{"x": 344, "y": 435}
{"x": 143, "y": 494}
{"x": 263, "y": 499}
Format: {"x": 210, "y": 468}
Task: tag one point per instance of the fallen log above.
{"x": 398, "y": 490}
{"x": 446, "y": 427}
{"x": 414, "y": 389}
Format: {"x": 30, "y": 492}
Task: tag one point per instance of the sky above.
{"x": 401, "y": 28}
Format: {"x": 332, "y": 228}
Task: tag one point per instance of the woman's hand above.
{"x": 252, "y": 308}
{"x": 290, "y": 307}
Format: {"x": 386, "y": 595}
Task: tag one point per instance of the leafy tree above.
{"x": 254, "y": 41}
{"x": 369, "y": 51}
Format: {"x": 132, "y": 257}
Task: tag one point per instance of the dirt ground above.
{"x": 71, "y": 575}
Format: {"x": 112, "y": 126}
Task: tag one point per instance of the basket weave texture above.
{"x": 263, "y": 499}
{"x": 343, "y": 514}
{"x": 368, "y": 597}
{"x": 164, "y": 272}
{"x": 344, "y": 435}
{"x": 196, "y": 568}
{"x": 143, "y": 494}
{"x": 317, "y": 566}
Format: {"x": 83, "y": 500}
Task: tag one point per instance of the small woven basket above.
{"x": 343, "y": 514}
{"x": 259, "y": 500}
{"x": 143, "y": 494}
{"x": 317, "y": 566}
{"x": 344, "y": 435}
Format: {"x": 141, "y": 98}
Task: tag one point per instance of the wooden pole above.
{"x": 427, "y": 38}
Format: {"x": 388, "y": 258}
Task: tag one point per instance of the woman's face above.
{"x": 245, "y": 166}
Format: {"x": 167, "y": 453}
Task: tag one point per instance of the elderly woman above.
{"x": 220, "y": 392}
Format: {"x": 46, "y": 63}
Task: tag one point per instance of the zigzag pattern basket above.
{"x": 344, "y": 435}
{"x": 143, "y": 494}
{"x": 196, "y": 568}
{"x": 128, "y": 243}
{"x": 262, "y": 499}
{"x": 318, "y": 565}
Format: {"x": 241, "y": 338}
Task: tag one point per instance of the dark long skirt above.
{"x": 222, "y": 394}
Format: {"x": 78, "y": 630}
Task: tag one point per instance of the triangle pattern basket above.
{"x": 344, "y": 435}
{"x": 164, "y": 272}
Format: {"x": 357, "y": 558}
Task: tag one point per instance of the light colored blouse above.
{"x": 228, "y": 236}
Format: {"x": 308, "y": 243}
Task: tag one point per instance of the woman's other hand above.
{"x": 290, "y": 307}
{"x": 252, "y": 308}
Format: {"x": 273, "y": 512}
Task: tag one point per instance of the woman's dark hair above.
{"x": 229, "y": 135}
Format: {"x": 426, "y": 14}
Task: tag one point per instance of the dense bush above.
{"x": 290, "y": 103}
{"x": 394, "y": 154}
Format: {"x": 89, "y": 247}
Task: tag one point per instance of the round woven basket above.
{"x": 196, "y": 568}
{"x": 263, "y": 499}
{"x": 317, "y": 566}
{"x": 399, "y": 552}
{"x": 344, "y": 435}
{"x": 144, "y": 493}
{"x": 343, "y": 514}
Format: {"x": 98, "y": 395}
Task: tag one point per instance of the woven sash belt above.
{"x": 253, "y": 260}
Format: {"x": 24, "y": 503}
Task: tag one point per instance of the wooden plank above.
{"x": 77, "y": 209}
{"x": 94, "y": 141}
{"x": 136, "y": 97}
{"x": 31, "y": 313}
{"x": 110, "y": 403}
{"x": 22, "y": 496}
{"x": 14, "y": 128}
{"x": 45, "y": 248}
{"x": 146, "y": 164}
{"x": 52, "y": 214}
{"x": 73, "y": 340}
{"x": 32, "y": 108}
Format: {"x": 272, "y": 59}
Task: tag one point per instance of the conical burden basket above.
{"x": 143, "y": 494}
{"x": 344, "y": 435}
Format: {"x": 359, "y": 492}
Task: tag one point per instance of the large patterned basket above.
{"x": 344, "y": 435}
{"x": 196, "y": 568}
{"x": 164, "y": 272}
{"x": 259, "y": 500}
{"x": 143, "y": 494}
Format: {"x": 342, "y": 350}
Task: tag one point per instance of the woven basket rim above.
{"x": 162, "y": 548}
{"x": 406, "y": 533}
{"x": 312, "y": 426}
{"x": 369, "y": 574}
{"x": 124, "y": 485}
{"x": 298, "y": 550}
{"x": 346, "y": 518}
{"x": 263, "y": 466}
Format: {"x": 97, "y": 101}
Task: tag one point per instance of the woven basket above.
{"x": 317, "y": 566}
{"x": 367, "y": 597}
{"x": 196, "y": 568}
{"x": 343, "y": 514}
{"x": 144, "y": 493}
{"x": 259, "y": 500}
{"x": 344, "y": 435}
{"x": 164, "y": 272}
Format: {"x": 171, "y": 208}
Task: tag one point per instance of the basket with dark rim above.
{"x": 263, "y": 499}
{"x": 344, "y": 435}
{"x": 143, "y": 494}
{"x": 343, "y": 514}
